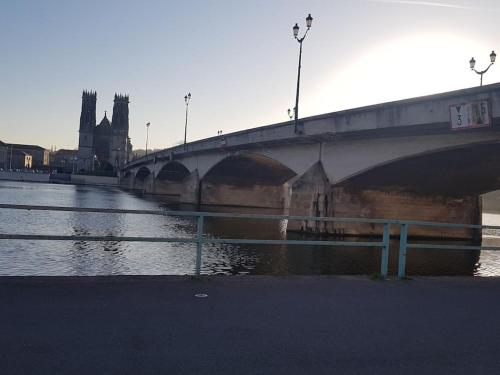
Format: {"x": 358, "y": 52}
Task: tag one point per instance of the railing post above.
{"x": 403, "y": 241}
{"x": 199, "y": 244}
{"x": 384, "y": 263}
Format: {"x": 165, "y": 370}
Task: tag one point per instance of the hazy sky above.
{"x": 237, "y": 58}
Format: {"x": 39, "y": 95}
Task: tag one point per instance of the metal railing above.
{"x": 404, "y": 245}
{"x": 200, "y": 238}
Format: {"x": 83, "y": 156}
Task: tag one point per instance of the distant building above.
{"x": 38, "y": 155}
{"x": 104, "y": 147}
{"x": 20, "y": 160}
{"x": 64, "y": 160}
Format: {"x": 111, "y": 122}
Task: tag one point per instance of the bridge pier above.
{"x": 310, "y": 195}
{"x": 190, "y": 192}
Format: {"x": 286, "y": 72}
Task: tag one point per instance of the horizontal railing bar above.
{"x": 287, "y": 217}
{"x": 451, "y": 247}
{"x": 293, "y": 242}
{"x": 81, "y": 209}
{"x": 233, "y": 241}
{"x": 93, "y": 238}
{"x": 448, "y": 225}
{"x": 191, "y": 213}
{"x": 205, "y": 240}
{"x": 244, "y": 216}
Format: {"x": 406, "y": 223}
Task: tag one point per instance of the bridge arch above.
{"x": 142, "y": 173}
{"x": 442, "y": 185}
{"x": 465, "y": 170}
{"x": 246, "y": 179}
{"x": 346, "y": 159}
{"x": 172, "y": 171}
{"x": 169, "y": 181}
{"x": 143, "y": 179}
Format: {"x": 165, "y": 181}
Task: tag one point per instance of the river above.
{"x": 117, "y": 258}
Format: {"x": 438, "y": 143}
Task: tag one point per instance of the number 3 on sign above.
{"x": 470, "y": 115}
{"x": 459, "y": 115}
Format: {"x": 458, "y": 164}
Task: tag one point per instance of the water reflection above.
{"x": 111, "y": 258}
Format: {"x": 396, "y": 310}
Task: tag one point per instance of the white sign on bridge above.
{"x": 470, "y": 115}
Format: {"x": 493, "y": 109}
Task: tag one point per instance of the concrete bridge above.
{"x": 398, "y": 160}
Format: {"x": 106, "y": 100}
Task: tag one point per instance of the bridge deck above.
{"x": 421, "y": 115}
{"x": 249, "y": 325}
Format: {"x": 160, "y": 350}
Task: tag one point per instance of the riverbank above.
{"x": 249, "y": 325}
{"x": 24, "y": 176}
{"x": 62, "y": 178}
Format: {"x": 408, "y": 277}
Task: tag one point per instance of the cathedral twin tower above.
{"x": 106, "y": 147}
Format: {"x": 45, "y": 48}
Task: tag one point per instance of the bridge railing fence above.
{"x": 404, "y": 237}
{"x": 201, "y": 238}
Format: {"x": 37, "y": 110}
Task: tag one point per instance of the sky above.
{"x": 238, "y": 59}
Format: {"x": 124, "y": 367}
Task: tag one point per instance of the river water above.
{"x": 114, "y": 258}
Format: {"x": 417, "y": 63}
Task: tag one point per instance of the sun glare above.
{"x": 402, "y": 68}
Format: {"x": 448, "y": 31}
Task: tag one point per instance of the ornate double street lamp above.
{"x": 187, "y": 98}
{"x": 472, "y": 63}
{"x": 147, "y": 136}
{"x": 296, "y": 28}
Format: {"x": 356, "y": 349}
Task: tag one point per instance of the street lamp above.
{"x": 472, "y": 64}
{"x": 187, "y": 98}
{"x": 73, "y": 168}
{"x": 10, "y": 161}
{"x": 147, "y": 136}
{"x": 296, "y": 28}
{"x": 117, "y": 159}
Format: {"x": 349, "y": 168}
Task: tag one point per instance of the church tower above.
{"x": 87, "y": 124}
{"x": 120, "y": 113}
{"x": 119, "y": 125}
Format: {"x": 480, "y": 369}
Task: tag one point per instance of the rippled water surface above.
{"x": 112, "y": 258}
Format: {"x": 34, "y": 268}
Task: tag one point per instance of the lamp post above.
{"x": 472, "y": 63}
{"x": 296, "y": 28}
{"x": 10, "y": 161}
{"x": 73, "y": 167}
{"x": 117, "y": 160}
{"x": 187, "y": 98}
{"x": 147, "y": 136}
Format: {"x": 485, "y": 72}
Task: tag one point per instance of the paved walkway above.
{"x": 249, "y": 325}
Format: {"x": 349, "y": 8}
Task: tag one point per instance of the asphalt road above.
{"x": 249, "y": 325}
